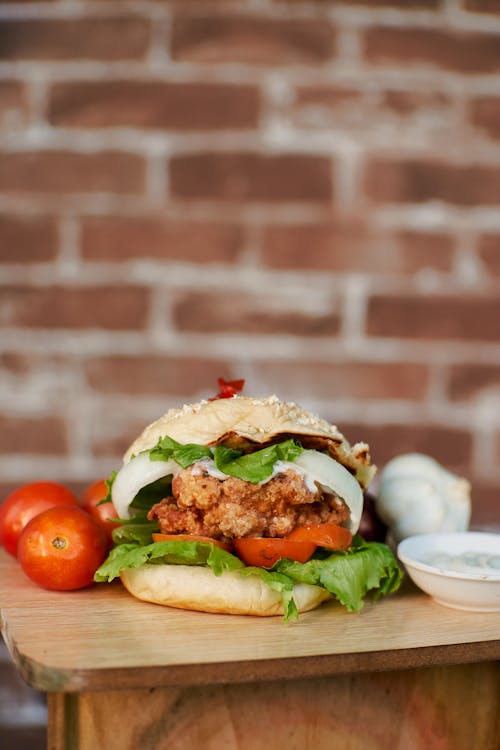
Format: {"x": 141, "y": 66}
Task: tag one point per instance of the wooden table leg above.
{"x": 434, "y": 708}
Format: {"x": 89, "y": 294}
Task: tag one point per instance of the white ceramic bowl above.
{"x": 460, "y": 570}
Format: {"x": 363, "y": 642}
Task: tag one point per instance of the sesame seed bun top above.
{"x": 251, "y": 423}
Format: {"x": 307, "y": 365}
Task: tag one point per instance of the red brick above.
{"x": 27, "y": 239}
{"x": 123, "y": 38}
{"x": 436, "y": 318}
{"x": 32, "y": 435}
{"x": 25, "y": 366}
{"x": 251, "y": 177}
{"x": 451, "y": 447}
{"x": 489, "y": 252}
{"x": 485, "y": 114}
{"x": 404, "y": 4}
{"x": 149, "y": 104}
{"x": 16, "y": 363}
{"x": 421, "y": 250}
{"x": 354, "y": 246}
{"x": 155, "y": 375}
{"x": 485, "y": 496}
{"x": 117, "y": 238}
{"x": 459, "y": 52}
{"x": 260, "y": 41}
{"x": 67, "y": 171}
{"x": 209, "y": 312}
{"x": 497, "y": 463}
{"x": 322, "y": 106}
{"x": 406, "y": 103}
{"x": 483, "y": 6}
{"x": 112, "y": 435}
{"x": 326, "y": 95}
{"x": 14, "y": 108}
{"x": 108, "y": 307}
{"x": 467, "y": 381}
{"x": 326, "y": 106}
{"x": 416, "y": 181}
{"x": 339, "y": 380}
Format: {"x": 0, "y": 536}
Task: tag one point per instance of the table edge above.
{"x": 47, "y": 679}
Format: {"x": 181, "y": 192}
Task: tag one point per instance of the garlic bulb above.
{"x": 418, "y": 496}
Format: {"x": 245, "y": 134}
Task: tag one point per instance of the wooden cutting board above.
{"x": 101, "y": 638}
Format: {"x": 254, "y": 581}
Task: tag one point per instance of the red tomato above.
{"x": 25, "y": 503}
{"x": 327, "y": 535}
{"x": 91, "y": 496}
{"x": 157, "y": 537}
{"x": 264, "y": 552}
{"x": 61, "y": 548}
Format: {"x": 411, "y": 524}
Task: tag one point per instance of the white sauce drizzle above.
{"x": 208, "y": 465}
{"x": 282, "y": 466}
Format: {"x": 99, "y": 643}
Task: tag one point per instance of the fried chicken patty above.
{"x": 231, "y": 508}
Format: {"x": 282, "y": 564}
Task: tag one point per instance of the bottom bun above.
{"x": 197, "y": 588}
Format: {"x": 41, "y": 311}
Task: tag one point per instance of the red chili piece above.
{"x": 228, "y": 388}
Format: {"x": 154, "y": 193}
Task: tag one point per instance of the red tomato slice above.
{"x": 264, "y": 552}
{"x": 157, "y": 537}
{"x": 327, "y": 535}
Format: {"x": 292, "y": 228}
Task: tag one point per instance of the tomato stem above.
{"x": 59, "y": 542}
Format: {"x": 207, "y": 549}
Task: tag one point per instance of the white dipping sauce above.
{"x": 481, "y": 563}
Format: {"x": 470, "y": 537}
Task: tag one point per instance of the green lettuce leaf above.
{"x": 132, "y": 555}
{"x": 257, "y": 466}
{"x": 185, "y": 455}
{"x": 349, "y": 575}
{"x": 151, "y": 493}
{"x": 280, "y": 583}
{"x": 252, "y": 467}
{"x": 136, "y": 530}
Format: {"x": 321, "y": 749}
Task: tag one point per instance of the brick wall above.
{"x": 303, "y": 194}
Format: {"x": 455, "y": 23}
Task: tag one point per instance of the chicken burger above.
{"x": 245, "y": 506}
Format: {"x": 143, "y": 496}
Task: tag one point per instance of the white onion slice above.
{"x": 135, "y": 475}
{"x": 334, "y": 477}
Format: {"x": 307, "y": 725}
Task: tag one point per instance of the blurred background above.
{"x": 302, "y": 194}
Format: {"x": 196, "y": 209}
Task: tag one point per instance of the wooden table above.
{"x": 406, "y": 673}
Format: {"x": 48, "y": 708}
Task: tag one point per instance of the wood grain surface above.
{"x": 103, "y": 639}
{"x": 437, "y": 708}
